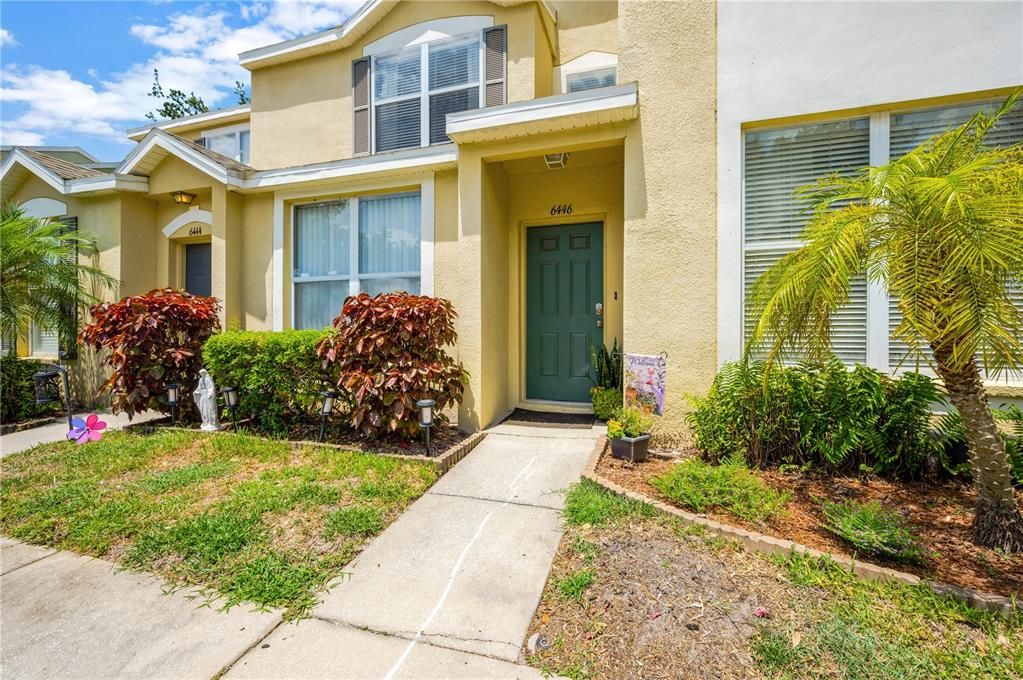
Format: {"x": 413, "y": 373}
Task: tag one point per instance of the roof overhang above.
{"x": 560, "y": 113}
{"x": 345, "y": 35}
{"x": 19, "y": 165}
{"x": 233, "y": 114}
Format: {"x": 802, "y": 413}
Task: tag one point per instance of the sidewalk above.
{"x": 447, "y": 591}
{"x": 55, "y": 432}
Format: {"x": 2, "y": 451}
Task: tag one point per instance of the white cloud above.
{"x": 7, "y": 38}
{"x": 194, "y": 51}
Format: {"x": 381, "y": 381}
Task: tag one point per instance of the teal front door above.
{"x": 564, "y": 290}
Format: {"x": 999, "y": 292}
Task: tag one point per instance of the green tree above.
{"x": 42, "y": 276}
{"x": 175, "y": 104}
{"x": 942, "y": 230}
{"x": 240, "y": 92}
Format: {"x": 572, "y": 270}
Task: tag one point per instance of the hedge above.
{"x": 277, "y": 373}
{"x": 17, "y": 391}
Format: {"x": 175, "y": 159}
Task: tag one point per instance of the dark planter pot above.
{"x": 632, "y": 449}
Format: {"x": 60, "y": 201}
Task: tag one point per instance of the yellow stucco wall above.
{"x": 257, "y": 262}
{"x": 586, "y": 26}
{"x": 670, "y": 195}
{"x": 302, "y": 110}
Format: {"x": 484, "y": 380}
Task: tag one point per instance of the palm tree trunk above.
{"x": 997, "y": 522}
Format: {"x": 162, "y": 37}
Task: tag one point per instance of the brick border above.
{"x": 770, "y": 545}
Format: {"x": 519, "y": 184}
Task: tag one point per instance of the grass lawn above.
{"x": 247, "y": 518}
{"x": 637, "y": 594}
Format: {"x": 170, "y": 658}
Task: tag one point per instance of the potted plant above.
{"x": 629, "y": 432}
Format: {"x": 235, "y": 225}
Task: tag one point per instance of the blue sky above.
{"x": 79, "y": 73}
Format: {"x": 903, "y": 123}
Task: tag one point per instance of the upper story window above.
{"x": 589, "y": 80}
{"x": 416, "y": 87}
{"x": 233, "y": 143}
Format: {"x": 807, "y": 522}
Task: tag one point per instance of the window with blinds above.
{"x": 369, "y": 244}
{"x": 908, "y": 131}
{"x": 777, "y": 162}
{"x": 589, "y": 80}
{"x": 409, "y": 112}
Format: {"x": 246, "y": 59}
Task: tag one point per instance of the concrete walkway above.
{"x": 447, "y": 591}
{"x": 55, "y": 432}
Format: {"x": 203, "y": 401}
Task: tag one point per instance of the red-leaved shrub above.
{"x": 387, "y": 353}
{"x": 153, "y": 339}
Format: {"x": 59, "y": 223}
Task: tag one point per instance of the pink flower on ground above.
{"x": 88, "y": 430}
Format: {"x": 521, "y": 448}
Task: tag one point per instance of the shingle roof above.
{"x": 227, "y": 162}
{"x": 63, "y": 169}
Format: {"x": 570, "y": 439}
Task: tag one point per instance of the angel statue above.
{"x": 205, "y": 396}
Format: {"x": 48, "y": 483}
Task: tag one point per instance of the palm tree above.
{"x": 42, "y": 277}
{"x": 942, "y": 230}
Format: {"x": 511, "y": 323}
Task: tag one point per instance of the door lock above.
{"x": 599, "y": 309}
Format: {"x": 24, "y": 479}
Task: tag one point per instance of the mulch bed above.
{"x": 939, "y": 514}
{"x": 661, "y": 607}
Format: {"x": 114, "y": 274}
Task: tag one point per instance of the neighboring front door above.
{"x": 564, "y": 286}
{"x": 198, "y": 280}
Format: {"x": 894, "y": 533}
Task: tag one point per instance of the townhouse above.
{"x": 567, "y": 173}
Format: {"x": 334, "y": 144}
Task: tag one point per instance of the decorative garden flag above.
{"x": 88, "y": 430}
{"x": 645, "y": 377}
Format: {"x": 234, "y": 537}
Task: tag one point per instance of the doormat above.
{"x": 578, "y": 421}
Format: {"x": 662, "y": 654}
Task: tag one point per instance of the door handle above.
{"x": 598, "y": 309}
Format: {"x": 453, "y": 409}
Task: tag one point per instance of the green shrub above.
{"x": 277, "y": 373}
{"x": 629, "y": 422}
{"x": 17, "y": 391}
{"x": 730, "y": 486}
{"x": 873, "y": 529}
{"x": 821, "y": 414}
{"x": 607, "y": 366}
{"x": 606, "y": 400}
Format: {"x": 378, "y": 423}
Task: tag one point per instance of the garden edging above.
{"x": 770, "y": 545}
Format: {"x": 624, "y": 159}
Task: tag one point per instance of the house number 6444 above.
{"x": 561, "y": 209}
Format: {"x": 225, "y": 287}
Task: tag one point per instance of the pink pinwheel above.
{"x": 88, "y": 430}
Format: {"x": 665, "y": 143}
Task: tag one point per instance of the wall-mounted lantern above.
{"x": 182, "y": 197}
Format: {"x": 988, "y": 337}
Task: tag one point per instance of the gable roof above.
{"x": 158, "y": 144}
{"x": 62, "y": 176}
{"x": 339, "y": 37}
{"x": 216, "y": 117}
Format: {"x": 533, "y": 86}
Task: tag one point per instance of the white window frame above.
{"x": 424, "y": 86}
{"x": 354, "y": 277}
{"x": 878, "y": 310}
{"x": 233, "y": 131}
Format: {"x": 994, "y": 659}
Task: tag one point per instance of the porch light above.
{"x": 172, "y": 400}
{"x": 231, "y": 402}
{"x": 426, "y": 418}
{"x": 182, "y": 197}
{"x": 556, "y": 161}
{"x": 46, "y": 386}
{"x": 326, "y": 409}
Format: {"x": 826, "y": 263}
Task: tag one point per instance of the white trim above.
{"x": 426, "y": 32}
{"x": 341, "y": 36}
{"x": 593, "y": 60}
{"x": 426, "y": 235}
{"x": 194, "y": 214}
{"x": 107, "y": 183}
{"x": 187, "y": 121}
{"x": 168, "y": 142}
{"x": 33, "y": 166}
{"x": 397, "y": 161}
{"x": 277, "y": 282}
{"x": 877, "y": 296}
{"x": 44, "y": 207}
{"x": 586, "y": 101}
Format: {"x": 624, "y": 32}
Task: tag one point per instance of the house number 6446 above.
{"x": 561, "y": 209}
